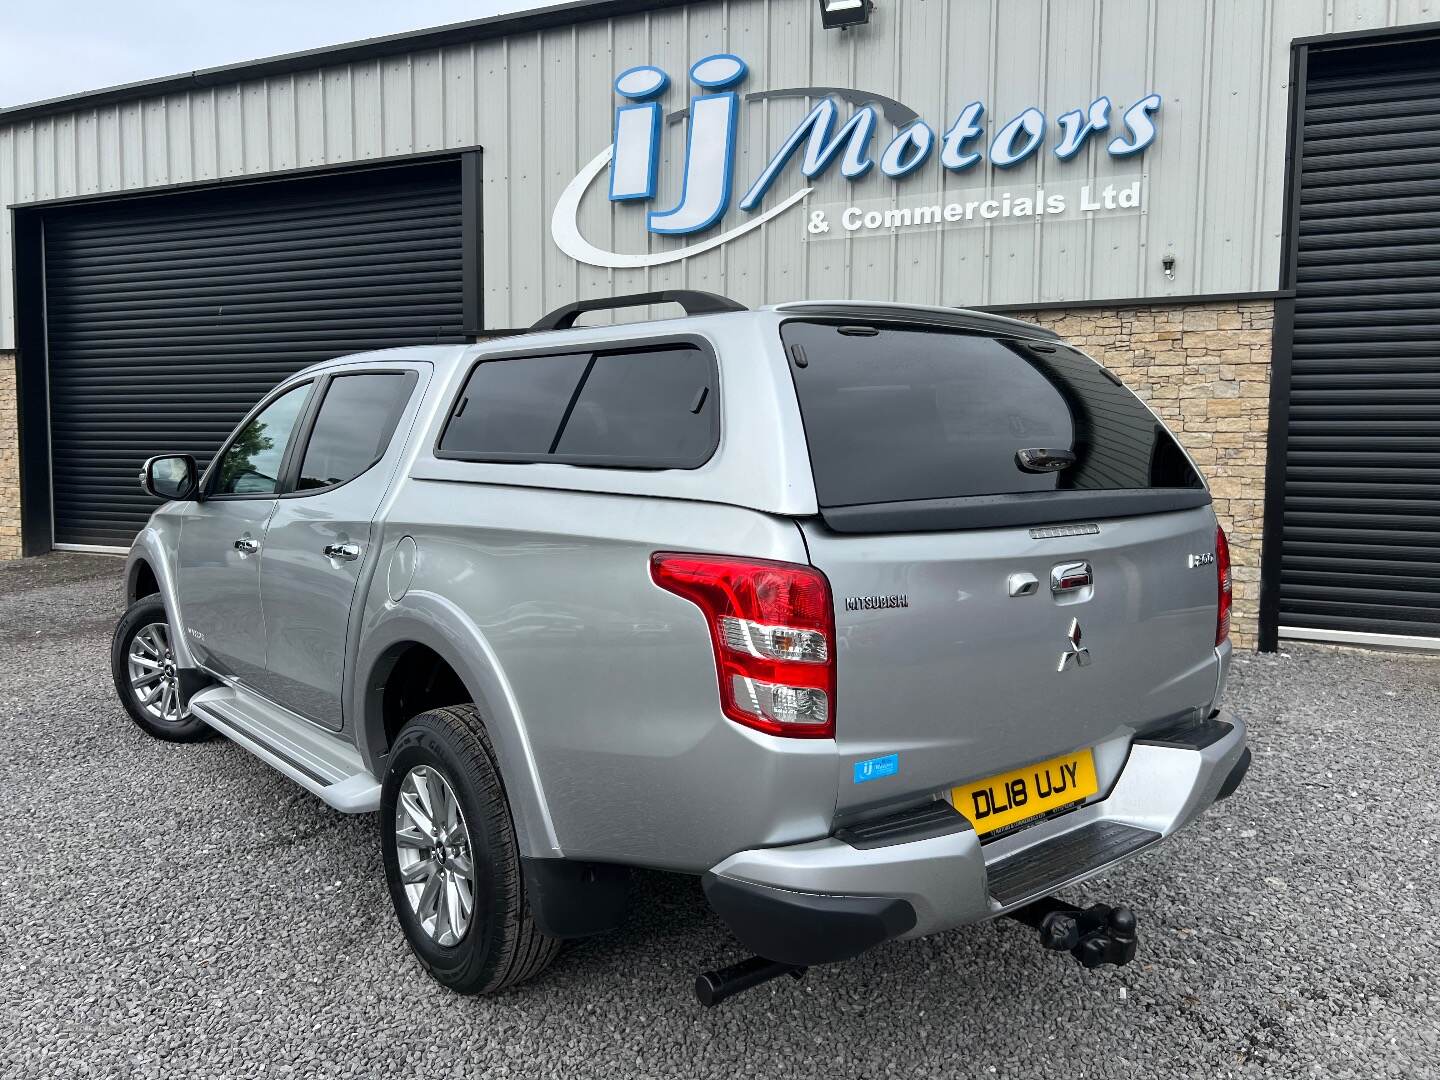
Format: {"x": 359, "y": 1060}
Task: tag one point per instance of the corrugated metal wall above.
{"x": 540, "y": 105}
{"x": 169, "y": 318}
{"x": 1361, "y": 527}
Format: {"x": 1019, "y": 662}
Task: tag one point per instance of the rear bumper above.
{"x": 831, "y": 899}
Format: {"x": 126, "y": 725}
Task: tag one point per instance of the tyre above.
{"x": 142, "y": 661}
{"x": 451, "y": 858}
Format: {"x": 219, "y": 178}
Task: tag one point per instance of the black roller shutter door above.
{"x": 1361, "y": 541}
{"x": 168, "y": 317}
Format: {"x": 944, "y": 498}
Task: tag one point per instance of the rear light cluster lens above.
{"x": 1222, "y": 575}
{"x": 772, "y": 626}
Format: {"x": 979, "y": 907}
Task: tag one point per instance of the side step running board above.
{"x": 1068, "y": 857}
{"x": 322, "y": 763}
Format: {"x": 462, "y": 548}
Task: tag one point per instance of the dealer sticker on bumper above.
{"x": 877, "y": 768}
{"x": 1026, "y": 793}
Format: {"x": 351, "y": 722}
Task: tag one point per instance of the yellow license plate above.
{"x": 1026, "y": 793}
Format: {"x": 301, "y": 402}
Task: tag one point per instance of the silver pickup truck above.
{"x": 881, "y": 620}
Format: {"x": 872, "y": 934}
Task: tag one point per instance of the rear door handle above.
{"x": 247, "y": 544}
{"x": 1067, "y": 577}
{"x": 344, "y": 552}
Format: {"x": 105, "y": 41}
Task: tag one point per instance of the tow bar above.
{"x": 1099, "y": 934}
{"x": 713, "y": 987}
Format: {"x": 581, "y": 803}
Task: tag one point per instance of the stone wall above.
{"x": 9, "y": 462}
{"x": 1205, "y": 368}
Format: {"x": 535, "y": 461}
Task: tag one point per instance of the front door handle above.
{"x": 346, "y": 552}
{"x": 247, "y": 545}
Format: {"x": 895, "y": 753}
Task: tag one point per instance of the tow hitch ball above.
{"x": 1099, "y": 934}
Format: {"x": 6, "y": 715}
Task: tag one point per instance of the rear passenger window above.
{"x": 652, "y": 408}
{"x": 353, "y": 428}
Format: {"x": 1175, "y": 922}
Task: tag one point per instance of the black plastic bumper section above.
{"x": 1188, "y": 734}
{"x": 1237, "y": 773}
{"x": 924, "y": 822}
{"x": 804, "y": 929}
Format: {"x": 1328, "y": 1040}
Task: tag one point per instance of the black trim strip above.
{"x": 304, "y": 770}
{"x": 1385, "y": 35}
{"x": 472, "y": 233}
{"x": 997, "y": 511}
{"x": 1282, "y": 347}
{"x": 32, "y": 385}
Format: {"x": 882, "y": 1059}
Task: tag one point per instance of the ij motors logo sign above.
{"x": 879, "y": 135}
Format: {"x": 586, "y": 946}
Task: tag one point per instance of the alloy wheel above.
{"x": 433, "y": 849}
{"x": 154, "y": 680}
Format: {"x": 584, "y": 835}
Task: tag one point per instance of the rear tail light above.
{"x": 1222, "y": 576}
{"x": 772, "y": 626}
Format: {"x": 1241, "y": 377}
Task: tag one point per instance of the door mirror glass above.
{"x": 172, "y": 477}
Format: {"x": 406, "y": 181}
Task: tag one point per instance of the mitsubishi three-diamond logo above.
{"x": 1075, "y": 654}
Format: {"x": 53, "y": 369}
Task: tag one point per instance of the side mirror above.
{"x": 172, "y": 477}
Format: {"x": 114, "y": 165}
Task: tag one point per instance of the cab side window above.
{"x": 646, "y": 407}
{"x": 353, "y": 427}
{"x": 251, "y": 463}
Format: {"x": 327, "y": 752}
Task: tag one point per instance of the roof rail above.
{"x": 694, "y": 303}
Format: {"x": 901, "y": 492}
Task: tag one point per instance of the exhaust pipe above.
{"x": 1099, "y": 934}
{"x": 713, "y": 987}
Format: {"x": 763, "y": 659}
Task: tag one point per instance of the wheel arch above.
{"x": 425, "y": 624}
{"x": 140, "y": 580}
{"x": 149, "y": 566}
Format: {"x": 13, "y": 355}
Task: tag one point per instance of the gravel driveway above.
{"x": 185, "y": 911}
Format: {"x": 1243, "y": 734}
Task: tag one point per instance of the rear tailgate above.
{"x": 1021, "y": 556}
{"x": 966, "y": 681}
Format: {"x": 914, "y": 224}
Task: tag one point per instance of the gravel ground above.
{"x": 185, "y": 911}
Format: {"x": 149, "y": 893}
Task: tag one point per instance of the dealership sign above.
{"x": 822, "y": 141}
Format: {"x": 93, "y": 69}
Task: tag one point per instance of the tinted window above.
{"x": 643, "y": 407}
{"x": 251, "y": 465}
{"x": 894, "y": 414}
{"x": 353, "y": 427}
{"x": 647, "y": 408}
{"x": 514, "y": 406}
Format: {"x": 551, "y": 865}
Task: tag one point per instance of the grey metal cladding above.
{"x": 538, "y": 100}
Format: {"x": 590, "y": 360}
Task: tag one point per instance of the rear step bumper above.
{"x": 925, "y": 870}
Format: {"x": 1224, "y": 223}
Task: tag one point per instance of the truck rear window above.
{"x": 912, "y": 413}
